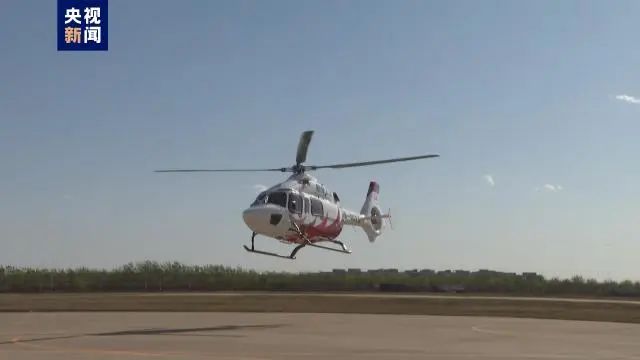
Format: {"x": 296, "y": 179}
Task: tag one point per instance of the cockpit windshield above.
{"x": 277, "y": 198}
{"x": 261, "y": 199}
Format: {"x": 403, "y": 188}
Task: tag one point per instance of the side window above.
{"x": 295, "y": 203}
{"x": 316, "y": 207}
{"x": 307, "y": 205}
{"x": 278, "y": 198}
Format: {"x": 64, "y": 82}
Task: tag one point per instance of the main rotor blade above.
{"x": 303, "y": 146}
{"x": 223, "y": 170}
{"x": 367, "y": 163}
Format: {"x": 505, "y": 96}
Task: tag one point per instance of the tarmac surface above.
{"x": 121, "y": 335}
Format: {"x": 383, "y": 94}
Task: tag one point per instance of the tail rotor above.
{"x": 388, "y": 217}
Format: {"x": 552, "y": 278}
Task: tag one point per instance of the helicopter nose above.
{"x": 261, "y": 220}
{"x": 252, "y": 218}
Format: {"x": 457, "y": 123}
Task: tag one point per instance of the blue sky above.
{"x": 528, "y": 93}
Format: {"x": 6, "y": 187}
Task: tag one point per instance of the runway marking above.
{"x": 163, "y": 332}
{"x": 30, "y": 343}
{"x": 53, "y": 349}
{"x": 491, "y": 332}
{"x": 18, "y": 341}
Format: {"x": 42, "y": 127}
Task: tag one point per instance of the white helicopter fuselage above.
{"x": 301, "y": 209}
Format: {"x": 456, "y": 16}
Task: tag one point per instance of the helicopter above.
{"x": 301, "y": 211}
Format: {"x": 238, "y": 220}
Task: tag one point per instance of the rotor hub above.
{"x": 298, "y": 169}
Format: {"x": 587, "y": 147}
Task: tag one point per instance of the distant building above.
{"x": 354, "y": 271}
{"x": 339, "y": 271}
{"x": 412, "y": 272}
{"x": 485, "y": 272}
{"x": 531, "y": 275}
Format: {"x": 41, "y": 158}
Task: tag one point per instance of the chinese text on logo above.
{"x": 82, "y": 25}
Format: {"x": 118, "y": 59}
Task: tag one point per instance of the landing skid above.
{"x": 343, "y": 249}
{"x": 291, "y": 257}
{"x": 252, "y": 249}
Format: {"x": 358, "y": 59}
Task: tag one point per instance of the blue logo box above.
{"x": 83, "y": 25}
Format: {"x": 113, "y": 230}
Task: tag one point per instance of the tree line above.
{"x": 174, "y": 276}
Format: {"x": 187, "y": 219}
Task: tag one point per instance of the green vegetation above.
{"x": 153, "y": 277}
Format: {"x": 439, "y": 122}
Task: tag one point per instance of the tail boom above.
{"x": 370, "y": 218}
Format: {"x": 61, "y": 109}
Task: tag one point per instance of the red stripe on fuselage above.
{"x": 320, "y": 232}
